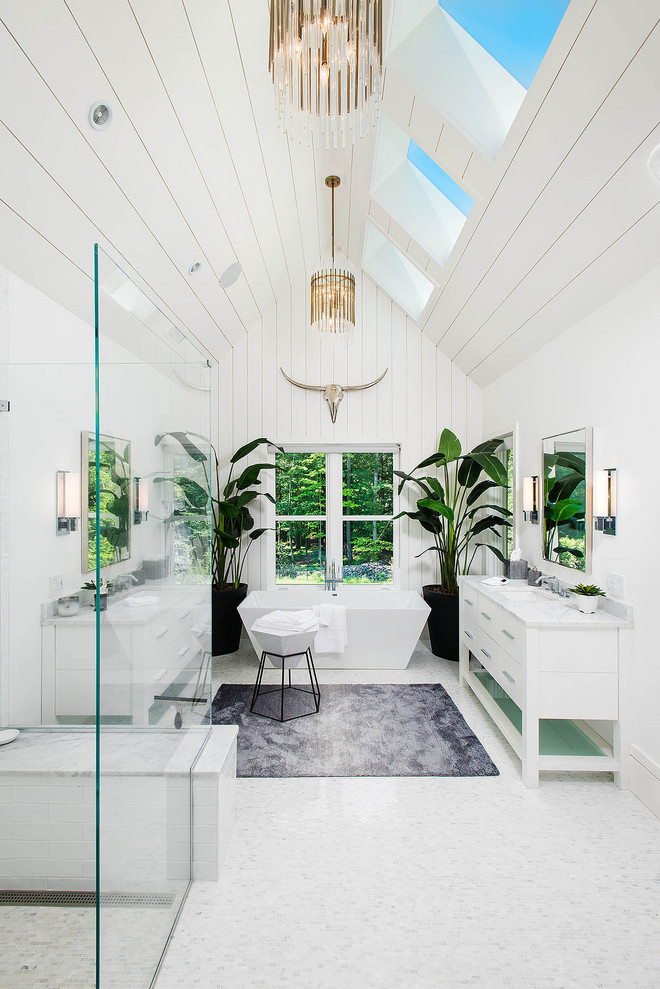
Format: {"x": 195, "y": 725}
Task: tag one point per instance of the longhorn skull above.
{"x": 333, "y": 394}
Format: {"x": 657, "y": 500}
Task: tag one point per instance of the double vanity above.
{"x": 151, "y": 639}
{"x": 545, "y": 673}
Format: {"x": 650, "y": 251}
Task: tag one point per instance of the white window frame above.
{"x": 334, "y": 517}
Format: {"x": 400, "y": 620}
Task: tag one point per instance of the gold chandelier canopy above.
{"x": 333, "y": 290}
{"x": 325, "y": 59}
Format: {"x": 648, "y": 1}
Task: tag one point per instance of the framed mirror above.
{"x": 567, "y": 518}
{"x": 115, "y": 489}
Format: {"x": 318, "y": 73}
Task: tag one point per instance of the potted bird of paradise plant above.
{"x": 233, "y": 529}
{"x": 451, "y": 509}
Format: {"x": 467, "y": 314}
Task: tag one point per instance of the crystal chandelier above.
{"x": 325, "y": 58}
{"x": 333, "y": 290}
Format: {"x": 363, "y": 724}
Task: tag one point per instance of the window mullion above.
{"x": 333, "y": 508}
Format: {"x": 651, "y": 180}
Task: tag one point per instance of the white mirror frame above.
{"x": 588, "y": 514}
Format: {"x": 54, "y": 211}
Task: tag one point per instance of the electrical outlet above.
{"x": 615, "y": 585}
{"x": 55, "y": 585}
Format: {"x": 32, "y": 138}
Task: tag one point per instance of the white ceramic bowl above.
{"x": 69, "y": 605}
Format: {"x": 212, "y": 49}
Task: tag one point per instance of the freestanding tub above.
{"x": 383, "y": 625}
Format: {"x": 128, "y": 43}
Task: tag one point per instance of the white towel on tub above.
{"x": 332, "y": 636}
{"x": 289, "y": 621}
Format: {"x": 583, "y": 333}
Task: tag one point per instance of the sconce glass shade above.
{"x": 141, "y": 495}
{"x": 531, "y": 498}
{"x": 605, "y": 500}
{"x": 68, "y": 501}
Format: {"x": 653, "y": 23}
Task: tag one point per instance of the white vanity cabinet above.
{"x": 543, "y": 670}
{"x": 143, "y": 650}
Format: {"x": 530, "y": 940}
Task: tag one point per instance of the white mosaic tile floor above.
{"x": 427, "y": 883}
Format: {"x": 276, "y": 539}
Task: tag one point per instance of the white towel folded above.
{"x": 324, "y": 613}
{"x": 287, "y": 621}
{"x": 332, "y": 637}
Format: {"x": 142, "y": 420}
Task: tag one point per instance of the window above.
{"x": 334, "y": 507}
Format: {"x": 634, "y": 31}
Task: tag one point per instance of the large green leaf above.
{"x": 561, "y": 511}
{"x": 492, "y": 466}
{"x": 565, "y": 486}
{"x": 494, "y": 549}
{"x": 449, "y": 446}
{"x": 259, "y": 532}
{"x": 436, "y": 459}
{"x": 252, "y": 445}
{"x": 251, "y": 475}
{"x": 437, "y": 507}
{"x": 413, "y": 480}
{"x": 245, "y": 498}
{"x": 470, "y": 469}
{"x": 226, "y": 539}
{"x": 436, "y": 488}
{"x": 227, "y": 509}
{"x": 478, "y": 490}
{"x": 490, "y": 522}
{"x": 184, "y": 440}
{"x": 495, "y": 508}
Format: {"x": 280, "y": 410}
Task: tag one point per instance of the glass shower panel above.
{"x": 47, "y": 774}
{"x": 147, "y": 554}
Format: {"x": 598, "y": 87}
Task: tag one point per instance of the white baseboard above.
{"x": 645, "y": 779}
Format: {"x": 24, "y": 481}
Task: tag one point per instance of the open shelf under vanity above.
{"x": 545, "y": 673}
{"x": 557, "y": 736}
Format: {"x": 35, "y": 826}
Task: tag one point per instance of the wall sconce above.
{"x": 605, "y": 501}
{"x": 141, "y": 495}
{"x": 531, "y": 499}
{"x": 68, "y": 501}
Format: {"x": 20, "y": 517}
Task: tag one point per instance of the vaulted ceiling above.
{"x": 194, "y": 167}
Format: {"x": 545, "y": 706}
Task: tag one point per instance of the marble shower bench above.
{"x": 155, "y": 786}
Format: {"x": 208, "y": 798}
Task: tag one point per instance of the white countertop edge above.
{"x": 564, "y": 614}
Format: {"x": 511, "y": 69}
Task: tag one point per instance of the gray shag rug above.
{"x": 360, "y": 730}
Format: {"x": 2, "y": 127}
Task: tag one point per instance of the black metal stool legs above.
{"x": 260, "y": 691}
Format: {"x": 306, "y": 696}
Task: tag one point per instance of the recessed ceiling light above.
{"x": 230, "y": 275}
{"x": 194, "y": 267}
{"x": 100, "y": 115}
{"x": 654, "y": 162}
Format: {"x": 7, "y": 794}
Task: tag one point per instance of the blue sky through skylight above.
{"x": 440, "y": 179}
{"x": 517, "y": 33}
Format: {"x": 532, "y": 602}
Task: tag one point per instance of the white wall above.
{"x": 421, "y": 393}
{"x": 48, "y": 374}
{"x": 603, "y": 372}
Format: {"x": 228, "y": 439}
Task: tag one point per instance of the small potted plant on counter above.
{"x": 90, "y": 585}
{"x": 587, "y": 597}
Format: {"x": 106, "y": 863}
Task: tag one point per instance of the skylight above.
{"x": 443, "y": 183}
{"x": 517, "y": 33}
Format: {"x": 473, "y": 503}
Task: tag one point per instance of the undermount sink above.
{"x": 520, "y": 595}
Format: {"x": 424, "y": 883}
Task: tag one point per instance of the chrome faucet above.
{"x": 332, "y": 580}
{"x": 124, "y": 580}
{"x": 553, "y": 584}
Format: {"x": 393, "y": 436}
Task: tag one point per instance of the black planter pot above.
{"x": 442, "y": 622}
{"x": 226, "y": 622}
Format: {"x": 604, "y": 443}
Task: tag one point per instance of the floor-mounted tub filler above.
{"x": 383, "y": 625}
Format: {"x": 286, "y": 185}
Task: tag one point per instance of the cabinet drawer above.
{"x": 511, "y": 677}
{"x": 470, "y": 634}
{"x": 511, "y": 635}
{"x": 487, "y": 614}
{"x": 487, "y": 652}
{"x": 469, "y": 604}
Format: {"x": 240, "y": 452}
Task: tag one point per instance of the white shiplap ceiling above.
{"x": 194, "y": 167}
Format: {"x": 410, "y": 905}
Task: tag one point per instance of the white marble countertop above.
{"x": 546, "y": 609}
{"x": 119, "y": 612}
